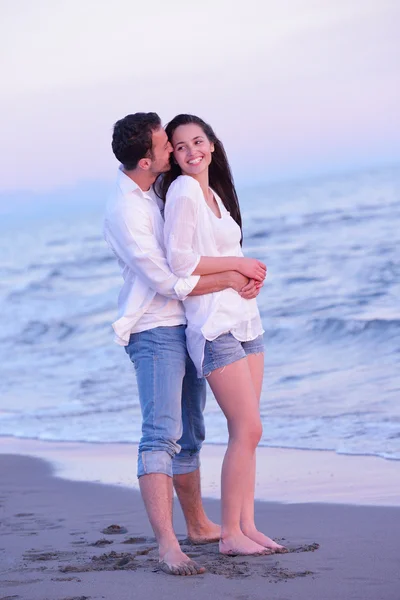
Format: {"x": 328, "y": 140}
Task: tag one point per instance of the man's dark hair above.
{"x": 132, "y": 138}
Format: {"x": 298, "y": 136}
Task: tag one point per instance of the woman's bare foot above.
{"x": 241, "y": 545}
{"x": 264, "y": 540}
{"x": 175, "y": 562}
{"x": 204, "y": 533}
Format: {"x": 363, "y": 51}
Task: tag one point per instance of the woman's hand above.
{"x": 252, "y": 268}
{"x": 245, "y": 287}
{"x": 251, "y": 290}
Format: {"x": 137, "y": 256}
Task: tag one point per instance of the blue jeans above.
{"x": 172, "y": 400}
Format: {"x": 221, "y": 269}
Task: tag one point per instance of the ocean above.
{"x": 330, "y": 309}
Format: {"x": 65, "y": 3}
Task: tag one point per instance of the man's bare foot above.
{"x": 264, "y": 540}
{"x": 241, "y": 545}
{"x": 175, "y": 562}
{"x": 204, "y": 533}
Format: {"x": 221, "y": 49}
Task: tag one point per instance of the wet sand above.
{"x": 58, "y": 543}
{"x": 283, "y": 475}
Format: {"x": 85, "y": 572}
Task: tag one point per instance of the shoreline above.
{"x": 56, "y": 544}
{"x": 283, "y": 475}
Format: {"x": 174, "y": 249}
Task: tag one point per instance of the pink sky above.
{"x": 291, "y": 87}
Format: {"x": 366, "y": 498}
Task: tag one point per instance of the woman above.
{"x": 202, "y": 236}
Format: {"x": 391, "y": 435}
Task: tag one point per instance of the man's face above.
{"x": 161, "y": 151}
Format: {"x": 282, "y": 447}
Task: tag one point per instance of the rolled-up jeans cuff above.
{"x": 185, "y": 463}
{"x": 154, "y": 461}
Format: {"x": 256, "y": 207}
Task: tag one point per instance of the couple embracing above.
{"x": 188, "y": 315}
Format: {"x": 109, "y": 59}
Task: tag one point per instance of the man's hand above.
{"x": 237, "y": 281}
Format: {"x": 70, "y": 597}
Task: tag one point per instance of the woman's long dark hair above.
{"x": 220, "y": 175}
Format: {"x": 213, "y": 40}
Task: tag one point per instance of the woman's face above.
{"x": 192, "y": 149}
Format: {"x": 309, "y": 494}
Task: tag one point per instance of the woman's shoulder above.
{"x": 184, "y": 185}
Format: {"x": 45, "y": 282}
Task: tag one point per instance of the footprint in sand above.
{"x": 101, "y": 543}
{"x": 113, "y": 529}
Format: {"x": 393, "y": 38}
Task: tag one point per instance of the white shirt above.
{"x": 191, "y": 231}
{"x": 151, "y": 293}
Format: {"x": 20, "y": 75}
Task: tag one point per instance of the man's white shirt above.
{"x": 151, "y": 294}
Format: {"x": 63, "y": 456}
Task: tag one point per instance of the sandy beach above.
{"x": 75, "y": 540}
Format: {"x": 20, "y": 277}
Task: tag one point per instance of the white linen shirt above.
{"x": 191, "y": 231}
{"x": 151, "y": 294}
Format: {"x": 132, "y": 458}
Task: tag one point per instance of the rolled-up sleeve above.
{"x": 130, "y": 234}
{"x": 181, "y": 214}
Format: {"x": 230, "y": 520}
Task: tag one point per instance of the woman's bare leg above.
{"x": 247, "y": 522}
{"x": 233, "y": 389}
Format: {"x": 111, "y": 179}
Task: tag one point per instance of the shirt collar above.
{"x": 128, "y": 186}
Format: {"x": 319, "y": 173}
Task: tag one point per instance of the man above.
{"x": 151, "y": 326}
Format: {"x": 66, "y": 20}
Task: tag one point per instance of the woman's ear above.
{"x": 212, "y": 147}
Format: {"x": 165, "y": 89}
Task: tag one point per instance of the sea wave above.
{"x": 383, "y": 329}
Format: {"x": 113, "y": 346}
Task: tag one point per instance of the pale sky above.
{"x": 290, "y": 86}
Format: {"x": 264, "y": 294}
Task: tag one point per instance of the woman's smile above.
{"x": 195, "y": 161}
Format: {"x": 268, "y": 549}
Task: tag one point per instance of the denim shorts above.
{"x": 226, "y": 349}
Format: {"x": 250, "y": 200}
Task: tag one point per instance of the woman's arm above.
{"x": 250, "y": 267}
